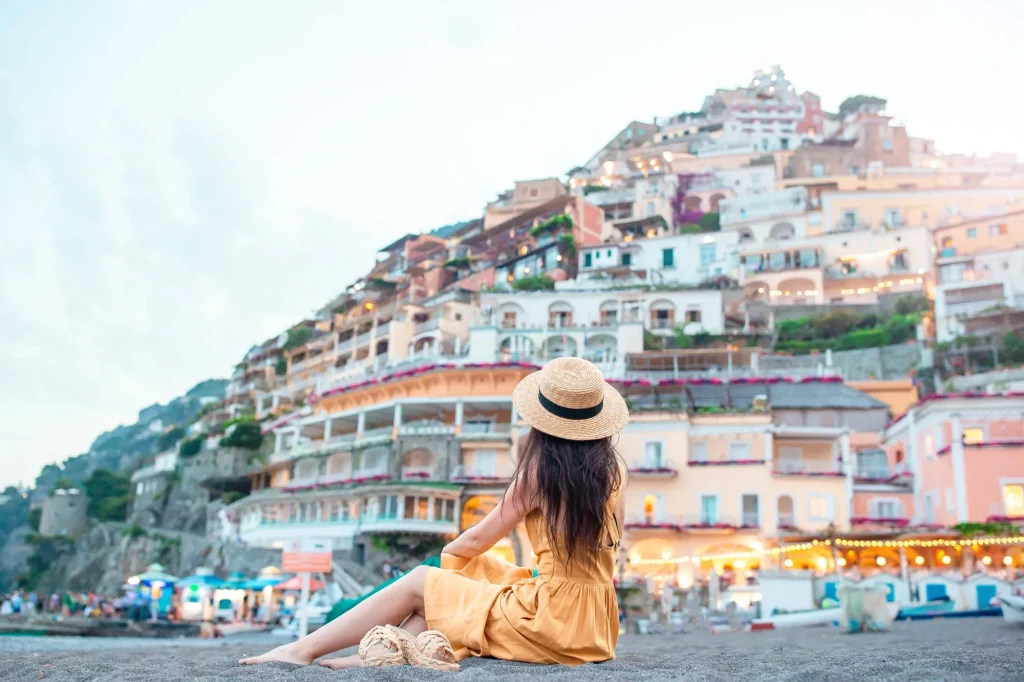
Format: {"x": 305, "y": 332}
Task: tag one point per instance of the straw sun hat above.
{"x": 570, "y": 399}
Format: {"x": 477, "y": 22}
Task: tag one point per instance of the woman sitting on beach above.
{"x": 566, "y": 487}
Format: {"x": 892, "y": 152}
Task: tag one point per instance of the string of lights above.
{"x": 956, "y": 544}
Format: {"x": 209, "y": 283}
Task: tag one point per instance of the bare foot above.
{"x": 289, "y": 653}
{"x": 342, "y": 663}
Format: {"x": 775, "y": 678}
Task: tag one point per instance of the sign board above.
{"x": 306, "y": 556}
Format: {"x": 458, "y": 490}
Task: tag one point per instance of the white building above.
{"x": 602, "y": 326}
{"x": 770, "y": 216}
{"x": 686, "y": 259}
{"x": 967, "y": 285}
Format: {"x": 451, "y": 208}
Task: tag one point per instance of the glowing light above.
{"x": 919, "y": 560}
{"x": 526, "y": 270}
{"x": 774, "y": 78}
{"x": 880, "y": 561}
{"x": 667, "y": 156}
{"x": 558, "y": 258}
{"x": 841, "y": 561}
{"x": 788, "y": 563}
{"x": 666, "y": 554}
{"x": 822, "y": 563}
{"x": 739, "y": 563}
{"x": 1007, "y": 561}
{"x": 760, "y": 290}
{"x": 771, "y": 89}
{"x": 757, "y": 82}
{"x": 368, "y": 305}
{"x": 986, "y": 560}
{"x": 947, "y": 560}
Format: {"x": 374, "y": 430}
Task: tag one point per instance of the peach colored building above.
{"x": 965, "y": 453}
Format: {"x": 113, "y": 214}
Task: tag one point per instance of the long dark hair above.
{"x": 572, "y": 482}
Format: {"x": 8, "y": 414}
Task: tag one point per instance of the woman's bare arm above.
{"x": 496, "y": 525}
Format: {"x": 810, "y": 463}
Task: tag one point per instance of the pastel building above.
{"x": 964, "y": 452}
{"x": 720, "y": 468}
{"x": 424, "y": 451}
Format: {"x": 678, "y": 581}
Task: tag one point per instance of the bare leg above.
{"x": 390, "y": 606}
{"x": 414, "y": 625}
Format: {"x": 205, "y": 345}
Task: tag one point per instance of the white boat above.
{"x": 1013, "y": 609}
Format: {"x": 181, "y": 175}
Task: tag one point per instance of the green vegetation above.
{"x": 45, "y": 551}
{"x": 682, "y": 339}
{"x": 133, "y": 531}
{"x": 842, "y": 330}
{"x": 281, "y": 365}
{"x": 297, "y": 336}
{"x": 460, "y": 262}
{"x": 244, "y": 433}
{"x": 381, "y": 284}
{"x": 109, "y": 494}
{"x": 190, "y": 447}
{"x": 991, "y": 528}
{"x": 569, "y": 241}
{"x": 653, "y": 341}
{"x": 590, "y": 189}
{"x": 1013, "y": 348}
{"x": 170, "y": 437}
{"x": 852, "y": 104}
{"x": 34, "y": 517}
{"x": 689, "y": 228}
{"x": 533, "y": 283}
{"x": 709, "y": 222}
{"x": 554, "y": 224}
{"x": 64, "y": 484}
{"x": 231, "y": 497}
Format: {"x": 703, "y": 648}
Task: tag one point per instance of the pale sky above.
{"x": 180, "y": 180}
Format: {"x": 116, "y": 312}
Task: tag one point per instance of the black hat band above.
{"x": 574, "y": 413}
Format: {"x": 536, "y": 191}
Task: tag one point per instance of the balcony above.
{"x": 396, "y": 525}
{"x": 379, "y": 433}
{"x": 298, "y": 366}
{"x": 427, "y": 326}
{"x": 808, "y": 467}
{"x": 426, "y": 428}
{"x": 473, "y": 475}
{"x": 362, "y": 339}
{"x": 418, "y": 473}
{"x": 383, "y": 329}
{"x": 664, "y": 468}
{"x": 323, "y": 447}
{"x": 650, "y": 522}
{"x": 485, "y": 431}
{"x": 712, "y": 523}
{"x": 881, "y": 522}
{"x": 344, "y": 346}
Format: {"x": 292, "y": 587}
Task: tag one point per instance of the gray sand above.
{"x": 984, "y": 648}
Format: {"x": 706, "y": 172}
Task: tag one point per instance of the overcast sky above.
{"x": 180, "y": 180}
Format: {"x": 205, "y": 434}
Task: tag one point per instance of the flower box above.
{"x": 721, "y": 525}
{"x": 1004, "y": 519}
{"x": 818, "y": 474}
{"x": 652, "y": 470}
{"x": 724, "y": 462}
{"x": 416, "y": 474}
{"x": 652, "y": 526}
{"x": 883, "y": 521}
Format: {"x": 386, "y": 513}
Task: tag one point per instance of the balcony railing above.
{"x": 486, "y": 430}
{"x": 426, "y": 428}
{"x": 428, "y": 325}
{"x": 362, "y": 339}
{"x": 376, "y": 433}
{"x": 383, "y": 329}
{"x": 807, "y": 467}
{"x": 664, "y": 468}
{"x": 418, "y": 473}
{"x": 299, "y": 366}
{"x": 475, "y": 475}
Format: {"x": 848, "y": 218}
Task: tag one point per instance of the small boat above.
{"x": 1013, "y": 609}
{"x": 931, "y": 609}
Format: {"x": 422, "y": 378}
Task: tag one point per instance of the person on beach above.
{"x": 566, "y": 488}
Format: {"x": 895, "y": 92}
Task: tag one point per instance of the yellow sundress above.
{"x": 489, "y": 607}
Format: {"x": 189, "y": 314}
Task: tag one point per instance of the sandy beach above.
{"x": 980, "y": 649}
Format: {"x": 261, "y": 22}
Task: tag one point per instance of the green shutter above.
{"x": 667, "y": 258}
{"x": 586, "y": 260}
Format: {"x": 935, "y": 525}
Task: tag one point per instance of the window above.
{"x": 609, "y": 253}
{"x": 449, "y": 510}
{"x": 508, "y": 320}
{"x": 974, "y": 435}
{"x": 387, "y": 507}
{"x": 587, "y": 262}
{"x": 886, "y": 144}
{"x": 533, "y": 192}
{"x": 886, "y": 509}
{"x": 668, "y": 258}
{"x": 699, "y": 451}
{"x": 751, "y": 512}
{"x": 1013, "y": 499}
{"x": 709, "y": 509}
{"x": 653, "y": 454}
{"x": 693, "y": 315}
{"x": 438, "y": 509}
{"x": 893, "y": 217}
{"x": 849, "y": 218}
{"x": 739, "y": 451}
{"x": 820, "y": 507}
{"x": 627, "y": 259}
{"x": 139, "y": 488}
{"x": 854, "y": 170}
{"x": 929, "y": 447}
{"x": 818, "y": 170}
{"x": 784, "y": 142}
{"x": 950, "y": 502}
{"x": 930, "y": 498}
{"x": 972, "y": 232}
{"x": 707, "y": 254}
{"x": 997, "y": 229}
{"x": 422, "y": 507}
{"x": 872, "y": 464}
{"x": 650, "y": 209}
{"x": 483, "y": 463}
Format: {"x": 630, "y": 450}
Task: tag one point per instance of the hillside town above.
{"x": 816, "y": 320}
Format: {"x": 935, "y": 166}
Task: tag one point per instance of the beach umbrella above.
{"x": 296, "y": 584}
{"x": 237, "y": 580}
{"x": 263, "y": 581}
{"x": 155, "y": 576}
{"x": 203, "y": 580}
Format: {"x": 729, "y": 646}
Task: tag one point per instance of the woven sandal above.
{"x": 382, "y": 636}
{"x": 434, "y": 651}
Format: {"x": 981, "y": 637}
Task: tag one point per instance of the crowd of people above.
{"x": 78, "y": 604}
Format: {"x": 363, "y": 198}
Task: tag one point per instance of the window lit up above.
{"x": 972, "y": 436}
{"x": 1013, "y": 499}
